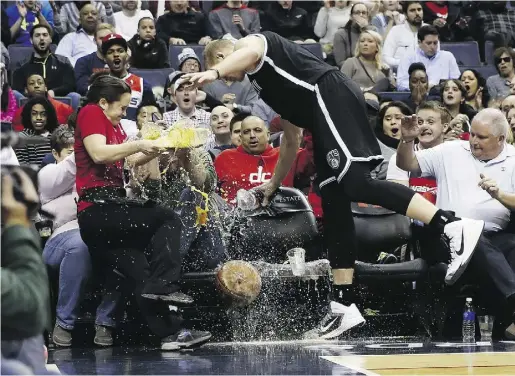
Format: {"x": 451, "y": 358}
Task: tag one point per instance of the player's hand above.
{"x": 410, "y": 129}
{"x": 490, "y": 186}
{"x": 21, "y": 9}
{"x": 266, "y": 190}
{"x": 201, "y": 78}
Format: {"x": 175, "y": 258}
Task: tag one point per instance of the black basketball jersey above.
{"x": 286, "y": 77}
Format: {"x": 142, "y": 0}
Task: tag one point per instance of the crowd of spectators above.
{"x": 387, "y": 47}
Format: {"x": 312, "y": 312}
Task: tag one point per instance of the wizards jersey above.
{"x": 140, "y": 90}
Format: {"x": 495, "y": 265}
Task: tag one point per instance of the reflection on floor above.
{"x": 371, "y": 357}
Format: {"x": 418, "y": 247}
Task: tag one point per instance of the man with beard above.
{"x": 55, "y": 69}
{"x": 81, "y": 42}
{"x": 36, "y": 87}
{"x": 128, "y": 18}
{"x": 402, "y": 39}
{"x": 114, "y": 49}
{"x": 24, "y": 16}
{"x": 440, "y": 65}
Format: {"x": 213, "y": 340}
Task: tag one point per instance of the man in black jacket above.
{"x": 148, "y": 52}
{"x": 55, "y": 69}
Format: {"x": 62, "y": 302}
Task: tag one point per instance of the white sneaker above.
{"x": 463, "y": 236}
{"x": 339, "y": 319}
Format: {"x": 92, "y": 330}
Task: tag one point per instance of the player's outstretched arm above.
{"x": 289, "y": 146}
{"x": 248, "y": 52}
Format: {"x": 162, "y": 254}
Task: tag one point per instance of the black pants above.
{"x": 356, "y": 186}
{"x": 143, "y": 243}
{"x": 493, "y": 266}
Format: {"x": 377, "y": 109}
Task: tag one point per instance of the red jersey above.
{"x": 236, "y": 169}
{"x": 92, "y": 120}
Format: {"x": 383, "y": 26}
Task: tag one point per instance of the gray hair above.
{"x": 495, "y": 120}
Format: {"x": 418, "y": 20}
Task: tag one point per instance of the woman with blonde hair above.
{"x": 366, "y": 67}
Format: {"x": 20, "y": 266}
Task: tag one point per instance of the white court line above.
{"x": 350, "y": 366}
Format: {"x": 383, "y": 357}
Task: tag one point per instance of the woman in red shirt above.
{"x": 120, "y": 231}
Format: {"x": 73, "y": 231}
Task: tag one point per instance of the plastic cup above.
{"x": 485, "y": 326}
{"x": 297, "y": 260}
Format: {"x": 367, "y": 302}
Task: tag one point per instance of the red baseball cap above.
{"x": 111, "y": 40}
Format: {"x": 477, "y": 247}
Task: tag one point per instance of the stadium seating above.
{"x": 175, "y": 51}
{"x": 395, "y": 95}
{"x": 485, "y": 70}
{"x": 155, "y": 77}
{"x": 466, "y": 53}
{"x": 19, "y": 53}
{"x": 489, "y": 53}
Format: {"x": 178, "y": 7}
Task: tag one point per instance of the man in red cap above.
{"x": 115, "y": 51}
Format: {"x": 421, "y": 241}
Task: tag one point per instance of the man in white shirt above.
{"x": 440, "y": 65}
{"x": 475, "y": 179}
{"x": 402, "y": 38}
{"x": 127, "y": 19}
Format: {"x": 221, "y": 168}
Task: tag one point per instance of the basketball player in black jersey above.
{"x": 308, "y": 93}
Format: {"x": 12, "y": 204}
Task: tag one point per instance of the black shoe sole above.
{"x": 181, "y": 345}
{"x": 103, "y": 344}
{"x": 61, "y": 344}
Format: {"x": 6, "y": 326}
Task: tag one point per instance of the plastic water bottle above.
{"x": 246, "y": 200}
{"x": 469, "y": 322}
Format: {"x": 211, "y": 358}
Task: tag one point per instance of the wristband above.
{"x": 217, "y": 73}
{"x": 406, "y": 141}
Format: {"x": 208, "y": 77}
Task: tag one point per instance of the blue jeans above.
{"x": 67, "y": 253}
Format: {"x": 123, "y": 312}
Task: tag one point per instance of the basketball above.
{"x": 239, "y": 282}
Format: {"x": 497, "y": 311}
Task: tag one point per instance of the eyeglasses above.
{"x": 503, "y": 60}
{"x": 360, "y": 13}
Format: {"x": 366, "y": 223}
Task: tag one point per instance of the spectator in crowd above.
{"x": 185, "y": 97}
{"x": 499, "y": 85}
{"x": 189, "y": 61}
{"x": 288, "y": 19}
{"x": 65, "y": 251}
{"x": 418, "y": 85}
{"x": 9, "y": 104}
{"x": 511, "y": 120}
{"x": 182, "y": 25}
{"x": 36, "y": 87}
{"x": 152, "y": 264}
{"x": 236, "y": 128}
{"x": 80, "y": 41}
{"x": 447, "y": 18}
{"x": 38, "y": 119}
{"x": 148, "y": 52}
{"x": 507, "y": 103}
{"x": 114, "y": 50}
{"x": 402, "y": 39}
{"x": 221, "y": 118}
{"x": 440, "y": 65}
{"x": 127, "y": 20}
{"x": 70, "y": 16}
{"x": 388, "y": 132}
{"x": 331, "y": 17}
{"x": 237, "y": 96}
{"x": 24, "y": 284}
{"x": 250, "y": 164}
{"x": 87, "y": 65}
{"x": 346, "y": 39}
{"x": 390, "y": 16}
{"x": 24, "y": 16}
{"x": 433, "y": 119}
{"x": 54, "y": 68}
{"x": 452, "y": 95}
{"x": 485, "y": 191}
{"x": 233, "y": 18}
{"x": 477, "y": 94}
{"x": 366, "y": 67}
{"x": 494, "y": 22}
